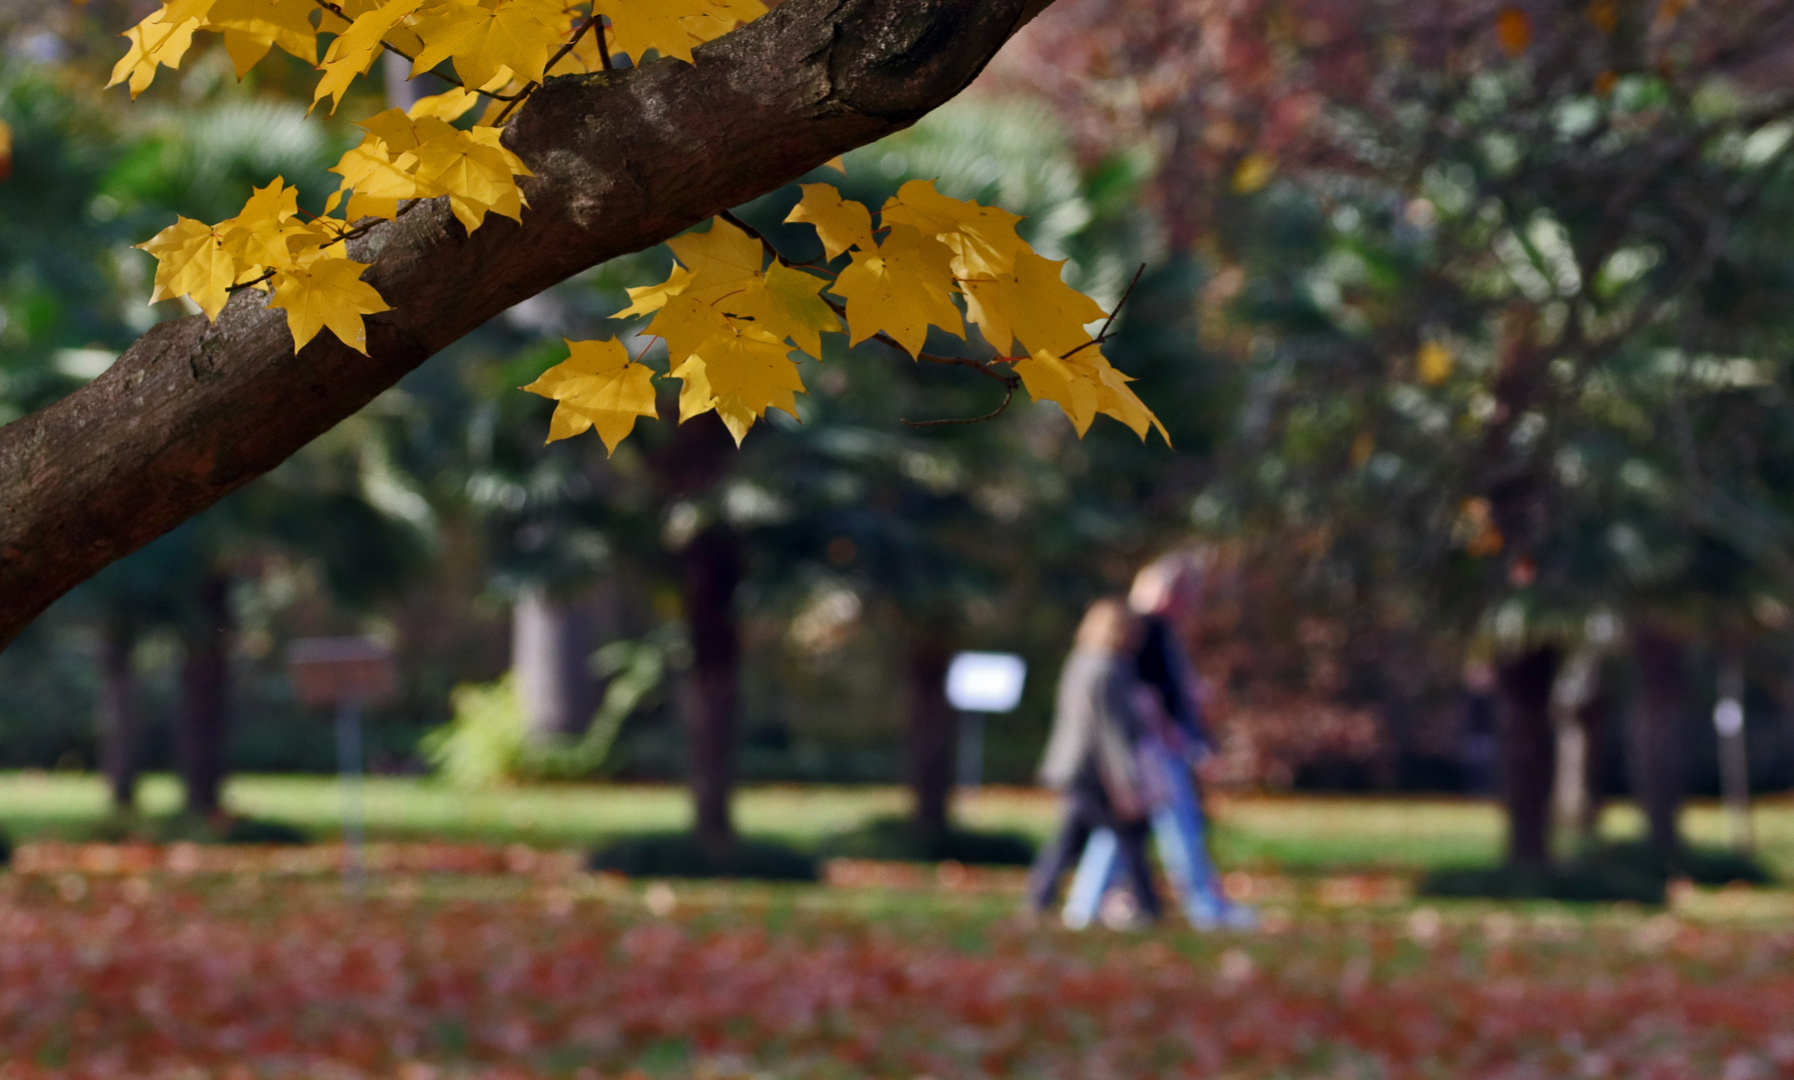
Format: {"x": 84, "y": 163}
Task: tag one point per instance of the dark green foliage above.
{"x": 1630, "y": 870}
{"x": 895, "y": 839}
{"x": 683, "y": 855}
{"x": 5, "y": 848}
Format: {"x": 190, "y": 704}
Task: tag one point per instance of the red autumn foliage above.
{"x": 159, "y": 977}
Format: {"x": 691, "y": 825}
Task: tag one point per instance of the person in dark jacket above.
{"x": 1091, "y": 756}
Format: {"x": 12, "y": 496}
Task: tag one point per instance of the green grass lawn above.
{"x": 1289, "y": 832}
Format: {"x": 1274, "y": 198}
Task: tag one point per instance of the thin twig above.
{"x": 405, "y": 207}
{"x": 1008, "y": 396}
{"x": 523, "y": 95}
{"x": 561, "y": 54}
{"x": 1103, "y": 334}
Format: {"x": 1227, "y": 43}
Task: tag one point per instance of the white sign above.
{"x": 986, "y": 682}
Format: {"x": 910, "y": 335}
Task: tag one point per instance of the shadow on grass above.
{"x": 897, "y": 839}
{"x": 684, "y": 855}
{"x": 192, "y": 829}
{"x": 1629, "y": 870}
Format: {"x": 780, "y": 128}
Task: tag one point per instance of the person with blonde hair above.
{"x": 1091, "y": 756}
{"x": 1173, "y": 740}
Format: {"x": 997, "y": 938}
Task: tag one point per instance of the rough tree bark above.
{"x": 1656, "y": 736}
{"x": 118, "y": 713}
{"x": 203, "y": 723}
{"x": 1529, "y": 751}
{"x": 622, "y": 160}
{"x": 712, "y": 572}
{"x": 933, "y": 728}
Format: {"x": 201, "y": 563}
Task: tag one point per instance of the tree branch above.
{"x": 622, "y": 159}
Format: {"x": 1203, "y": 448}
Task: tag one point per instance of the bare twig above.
{"x": 1008, "y": 396}
{"x": 561, "y": 54}
{"x": 522, "y": 96}
{"x": 1103, "y": 334}
{"x": 347, "y": 234}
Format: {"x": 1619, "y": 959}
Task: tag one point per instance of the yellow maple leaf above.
{"x": 450, "y": 106}
{"x": 380, "y": 180}
{"x": 154, "y": 41}
{"x": 1114, "y": 397}
{"x": 481, "y": 39}
{"x": 596, "y": 386}
{"x": 725, "y": 276}
{"x": 1084, "y": 385}
{"x": 328, "y": 293}
{"x": 901, "y": 288}
{"x": 472, "y": 169}
{"x": 983, "y": 238}
{"x": 357, "y": 47}
{"x": 840, "y": 223}
{"x": 257, "y": 236}
{"x": 1072, "y": 386}
{"x": 673, "y": 27}
{"x": 651, "y": 298}
{"x": 191, "y": 261}
{"x": 787, "y": 303}
{"x": 695, "y": 398}
{"x": 252, "y": 27}
{"x": 685, "y": 322}
{"x": 723, "y": 261}
{"x": 1031, "y": 302}
{"x": 748, "y": 371}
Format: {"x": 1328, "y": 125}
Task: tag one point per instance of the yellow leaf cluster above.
{"x": 499, "y": 50}
{"x": 731, "y": 313}
{"x": 730, "y": 323}
{"x": 937, "y": 248}
{"x": 489, "y": 44}
{"x": 303, "y": 265}
{"x": 421, "y": 155}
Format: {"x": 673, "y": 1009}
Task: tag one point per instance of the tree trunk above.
{"x": 1657, "y": 746}
{"x": 551, "y": 648}
{"x": 933, "y": 729}
{"x": 1529, "y": 750}
{"x": 203, "y": 722}
{"x": 711, "y": 565}
{"x": 621, "y": 161}
{"x": 1594, "y": 716}
{"x": 118, "y": 712}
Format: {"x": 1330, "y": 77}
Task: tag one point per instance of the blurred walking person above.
{"x": 1091, "y": 757}
{"x": 1174, "y": 739}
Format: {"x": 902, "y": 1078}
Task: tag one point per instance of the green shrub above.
{"x": 683, "y": 855}
{"x": 5, "y": 848}
{"x": 897, "y": 839}
{"x": 487, "y": 742}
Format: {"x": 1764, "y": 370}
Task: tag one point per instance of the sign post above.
{"x": 345, "y": 674}
{"x": 979, "y": 684}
